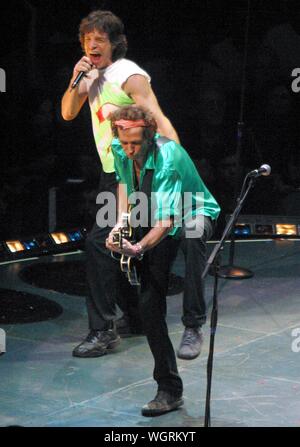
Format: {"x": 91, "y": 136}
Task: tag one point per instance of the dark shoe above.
{"x": 128, "y": 327}
{"x": 162, "y": 403}
{"x": 191, "y": 344}
{"x": 97, "y": 343}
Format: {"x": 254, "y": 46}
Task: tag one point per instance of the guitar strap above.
{"x": 147, "y": 184}
{"x": 148, "y": 177}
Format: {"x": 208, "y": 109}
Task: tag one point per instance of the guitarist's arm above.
{"x": 156, "y": 234}
{"x": 122, "y": 201}
{"x": 150, "y": 240}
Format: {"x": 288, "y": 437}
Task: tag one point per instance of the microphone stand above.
{"x": 213, "y": 263}
{"x": 230, "y": 271}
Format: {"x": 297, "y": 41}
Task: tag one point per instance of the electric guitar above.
{"x": 127, "y": 263}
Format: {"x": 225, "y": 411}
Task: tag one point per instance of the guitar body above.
{"x": 128, "y": 266}
{"x": 127, "y": 263}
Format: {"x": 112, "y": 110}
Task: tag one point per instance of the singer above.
{"x": 109, "y": 81}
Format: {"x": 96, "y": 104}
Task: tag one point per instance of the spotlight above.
{"x": 67, "y": 240}
{"x": 43, "y": 244}
{"x": 242, "y": 230}
{"x": 30, "y": 244}
{"x": 286, "y": 229}
{"x": 15, "y": 246}
{"x": 261, "y": 226}
{"x": 60, "y": 237}
{"x": 75, "y": 235}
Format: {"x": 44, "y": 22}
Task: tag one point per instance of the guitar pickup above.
{"x": 118, "y": 236}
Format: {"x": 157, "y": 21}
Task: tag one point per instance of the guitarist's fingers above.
{"x": 111, "y": 237}
{"x": 112, "y": 247}
{"x": 109, "y": 244}
{"x": 126, "y": 244}
{"x": 128, "y": 248}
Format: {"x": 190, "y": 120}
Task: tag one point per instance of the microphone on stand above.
{"x": 263, "y": 170}
{"x": 230, "y": 271}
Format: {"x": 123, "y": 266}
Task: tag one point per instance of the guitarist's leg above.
{"x": 154, "y": 286}
{"x": 194, "y": 304}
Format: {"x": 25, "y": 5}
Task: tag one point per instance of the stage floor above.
{"x": 256, "y": 364}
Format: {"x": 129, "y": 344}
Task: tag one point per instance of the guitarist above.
{"x": 172, "y": 174}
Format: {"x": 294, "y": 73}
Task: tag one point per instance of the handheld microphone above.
{"x": 263, "y": 170}
{"x": 78, "y": 78}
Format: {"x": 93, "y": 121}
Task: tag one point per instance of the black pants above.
{"x": 155, "y": 272}
{"x": 194, "y": 249}
{"x": 107, "y": 285}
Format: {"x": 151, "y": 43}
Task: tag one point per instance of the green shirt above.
{"x": 178, "y": 188}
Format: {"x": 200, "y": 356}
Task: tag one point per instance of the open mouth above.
{"x": 95, "y": 58}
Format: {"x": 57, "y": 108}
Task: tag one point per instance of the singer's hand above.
{"x": 85, "y": 64}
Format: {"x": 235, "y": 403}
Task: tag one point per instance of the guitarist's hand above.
{"x": 114, "y": 230}
{"x": 127, "y": 250}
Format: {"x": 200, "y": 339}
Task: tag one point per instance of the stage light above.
{"x": 75, "y": 235}
{"x": 14, "y": 246}
{"x": 261, "y": 226}
{"x": 286, "y": 229}
{"x": 30, "y": 244}
{"x": 60, "y": 237}
{"x": 57, "y": 242}
{"x": 242, "y": 230}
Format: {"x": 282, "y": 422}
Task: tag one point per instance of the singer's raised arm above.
{"x": 74, "y": 98}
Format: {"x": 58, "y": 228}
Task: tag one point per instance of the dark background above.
{"x": 194, "y": 52}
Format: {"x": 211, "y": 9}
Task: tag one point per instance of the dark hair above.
{"x": 135, "y": 113}
{"x": 109, "y": 23}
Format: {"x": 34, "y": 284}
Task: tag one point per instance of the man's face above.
{"x": 133, "y": 143}
{"x": 98, "y": 48}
